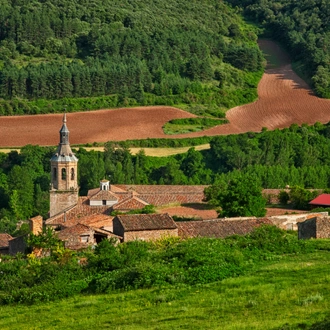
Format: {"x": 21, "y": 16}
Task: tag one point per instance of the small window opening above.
{"x": 54, "y": 173}
{"x": 63, "y": 174}
{"x": 72, "y": 174}
{"x": 104, "y": 202}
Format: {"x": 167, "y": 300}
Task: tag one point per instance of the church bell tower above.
{"x": 64, "y": 183}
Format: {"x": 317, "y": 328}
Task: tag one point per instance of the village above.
{"x": 84, "y": 221}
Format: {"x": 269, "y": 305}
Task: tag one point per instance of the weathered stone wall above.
{"x": 149, "y": 235}
{"x": 290, "y": 221}
{"x": 307, "y": 229}
{"x": 61, "y": 200}
{"x": 118, "y": 228}
{"x": 323, "y": 227}
{"x": 17, "y": 245}
{"x": 36, "y": 225}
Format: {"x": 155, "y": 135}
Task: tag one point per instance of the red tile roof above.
{"x": 4, "y": 240}
{"x": 130, "y": 203}
{"x": 322, "y": 200}
{"x": 137, "y": 222}
{"x": 103, "y": 195}
{"x": 219, "y": 228}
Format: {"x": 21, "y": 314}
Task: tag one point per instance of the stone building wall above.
{"x": 149, "y": 235}
{"x": 323, "y": 227}
{"x": 61, "y": 200}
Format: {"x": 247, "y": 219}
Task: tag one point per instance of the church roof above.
{"x": 103, "y": 195}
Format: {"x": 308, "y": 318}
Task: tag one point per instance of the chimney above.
{"x": 36, "y": 225}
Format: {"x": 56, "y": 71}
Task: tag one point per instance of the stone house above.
{"x": 317, "y": 227}
{"x": 81, "y": 236}
{"x": 144, "y": 226}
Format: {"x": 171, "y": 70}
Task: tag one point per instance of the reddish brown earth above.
{"x": 284, "y": 99}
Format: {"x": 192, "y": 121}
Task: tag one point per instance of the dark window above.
{"x": 72, "y": 174}
{"x": 54, "y": 173}
{"x": 63, "y": 174}
{"x": 104, "y": 202}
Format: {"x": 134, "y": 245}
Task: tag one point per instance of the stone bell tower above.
{"x": 64, "y": 183}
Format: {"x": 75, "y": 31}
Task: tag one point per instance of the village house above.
{"x": 144, "y": 226}
{"x": 322, "y": 200}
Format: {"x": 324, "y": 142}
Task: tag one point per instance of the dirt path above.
{"x": 284, "y": 99}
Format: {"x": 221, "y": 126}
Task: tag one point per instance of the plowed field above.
{"x": 284, "y": 99}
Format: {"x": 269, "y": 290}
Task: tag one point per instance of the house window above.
{"x": 72, "y": 174}
{"x": 54, "y": 173}
{"x": 63, "y": 174}
{"x": 84, "y": 238}
{"x": 104, "y": 202}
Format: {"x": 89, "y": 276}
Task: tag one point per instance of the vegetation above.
{"x": 138, "y": 264}
{"x": 303, "y": 27}
{"x": 185, "y": 125}
{"x": 239, "y": 197}
{"x": 67, "y": 54}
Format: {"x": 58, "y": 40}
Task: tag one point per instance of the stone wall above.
{"x": 61, "y": 200}
{"x": 17, "y": 245}
{"x": 323, "y": 227}
{"x": 149, "y": 235}
{"x": 36, "y": 225}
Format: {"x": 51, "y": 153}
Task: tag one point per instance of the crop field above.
{"x": 284, "y": 99}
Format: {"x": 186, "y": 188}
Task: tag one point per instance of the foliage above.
{"x": 303, "y": 28}
{"x": 140, "y": 264}
{"x": 137, "y": 53}
{"x": 241, "y": 196}
{"x": 178, "y": 126}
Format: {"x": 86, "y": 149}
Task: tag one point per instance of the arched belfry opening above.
{"x": 64, "y": 165}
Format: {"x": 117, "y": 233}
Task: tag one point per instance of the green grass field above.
{"x": 290, "y": 292}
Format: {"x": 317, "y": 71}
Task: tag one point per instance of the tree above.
{"x": 241, "y": 196}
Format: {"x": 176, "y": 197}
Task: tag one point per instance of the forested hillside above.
{"x": 303, "y": 27}
{"x": 133, "y": 52}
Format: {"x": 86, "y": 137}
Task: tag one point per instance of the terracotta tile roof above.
{"x": 78, "y": 229}
{"x": 164, "y": 189}
{"x": 78, "y": 211}
{"x": 4, "y": 240}
{"x": 97, "y": 220}
{"x": 137, "y": 222}
{"x": 103, "y": 195}
{"x": 219, "y": 228}
{"x": 130, "y": 203}
{"x": 323, "y": 199}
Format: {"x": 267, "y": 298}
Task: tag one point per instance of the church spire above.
{"x": 64, "y": 132}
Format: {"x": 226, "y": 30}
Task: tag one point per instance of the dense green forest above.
{"x": 133, "y": 52}
{"x": 303, "y": 27}
{"x": 295, "y": 156}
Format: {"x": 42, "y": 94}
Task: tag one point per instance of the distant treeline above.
{"x": 303, "y": 27}
{"x": 152, "y": 52}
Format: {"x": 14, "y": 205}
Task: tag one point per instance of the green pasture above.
{"x": 289, "y": 292}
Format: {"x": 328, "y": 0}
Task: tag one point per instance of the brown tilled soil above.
{"x": 284, "y": 99}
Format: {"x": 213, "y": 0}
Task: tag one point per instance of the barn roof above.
{"x": 323, "y": 199}
{"x": 139, "y": 222}
{"x": 219, "y": 228}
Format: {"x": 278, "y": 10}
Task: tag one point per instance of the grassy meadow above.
{"x": 285, "y": 292}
